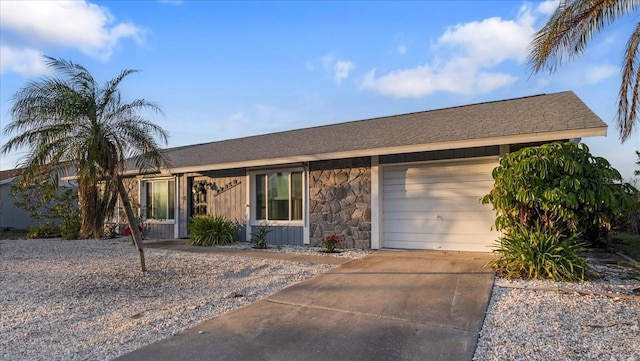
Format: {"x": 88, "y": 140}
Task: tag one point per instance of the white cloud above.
{"x": 596, "y": 73}
{"x": 23, "y": 61}
{"x": 340, "y": 69}
{"x": 548, "y": 7}
{"x": 401, "y": 49}
{"x": 466, "y": 57}
{"x": 79, "y": 25}
{"x": 235, "y": 122}
{"x": 583, "y": 75}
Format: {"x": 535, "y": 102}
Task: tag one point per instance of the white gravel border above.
{"x": 525, "y": 324}
{"x": 306, "y": 250}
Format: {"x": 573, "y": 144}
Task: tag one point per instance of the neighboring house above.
{"x": 409, "y": 181}
{"x": 11, "y": 217}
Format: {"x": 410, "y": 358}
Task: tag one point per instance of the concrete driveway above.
{"x": 391, "y": 305}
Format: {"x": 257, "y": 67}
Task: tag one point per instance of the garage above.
{"x": 437, "y": 205}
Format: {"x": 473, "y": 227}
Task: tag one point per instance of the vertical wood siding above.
{"x": 154, "y": 230}
{"x": 281, "y": 235}
{"x": 229, "y": 202}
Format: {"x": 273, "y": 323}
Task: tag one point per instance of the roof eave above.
{"x": 481, "y": 142}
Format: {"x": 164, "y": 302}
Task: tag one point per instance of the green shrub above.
{"x": 70, "y": 227}
{"x": 562, "y": 186}
{"x": 210, "y": 230}
{"x": 538, "y": 252}
{"x": 259, "y": 239}
{"x": 45, "y": 230}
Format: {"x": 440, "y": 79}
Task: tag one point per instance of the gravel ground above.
{"x": 315, "y": 251}
{"x": 527, "y": 324}
{"x": 87, "y": 300}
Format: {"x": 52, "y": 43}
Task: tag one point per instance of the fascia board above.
{"x": 481, "y": 142}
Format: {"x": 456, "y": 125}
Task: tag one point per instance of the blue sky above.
{"x": 231, "y": 69}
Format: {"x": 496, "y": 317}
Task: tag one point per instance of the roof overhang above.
{"x": 467, "y": 143}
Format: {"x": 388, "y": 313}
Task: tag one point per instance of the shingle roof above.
{"x": 534, "y": 115}
{"x": 9, "y": 173}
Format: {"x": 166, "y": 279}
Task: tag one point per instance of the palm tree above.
{"x": 69, "y": 123}
{"x": 566, "y": 34}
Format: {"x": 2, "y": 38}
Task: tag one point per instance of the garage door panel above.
{"x": 434, "y": 215}
{"x": 469, "y": 193}
{"x": 437, "y": 206}
{"x": 401, "y": 178}
{"x": 441, "y": 227}
{"x": 432, "y": 172}
{"x": 483, "y": 185}
{"x": 451, "y": 242}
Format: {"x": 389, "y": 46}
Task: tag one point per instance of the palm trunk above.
{"x": 93, "y": 205}
{"x": 132, "y": 221}
{"x": 87, "y": 199}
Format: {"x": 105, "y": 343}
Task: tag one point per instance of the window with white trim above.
{"x": 278, "y": 196}
{"x": 160, "y": 199}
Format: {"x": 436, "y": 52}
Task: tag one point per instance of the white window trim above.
{"x": 142, "y": 195}
{"x": 252, "y": 204}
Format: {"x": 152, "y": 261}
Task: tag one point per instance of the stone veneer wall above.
{"x": 340, "y": 201}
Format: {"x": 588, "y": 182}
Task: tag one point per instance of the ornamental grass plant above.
{"x": 259, "y": 238}
{"x": 538, "y": 252}
{"x": 210, "y": 230}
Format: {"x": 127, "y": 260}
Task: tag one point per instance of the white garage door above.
{"x": 437, "y": 206}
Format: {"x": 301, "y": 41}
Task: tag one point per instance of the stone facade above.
{"x": 340, "y": 201}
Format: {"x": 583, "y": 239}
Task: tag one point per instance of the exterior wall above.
{"x": 340, "y": 201}
{"x": 440, "y": 155}
{"x": 11, "y": 217}
{"x": 229, "y": 200}
{"x": 283, "y": 235}
{"x": 150, "y": 229}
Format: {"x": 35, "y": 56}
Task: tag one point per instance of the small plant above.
{"x": 70, "y": 227}
{"x": 537, "y": 252}
{"x": 330, "y": 243}
{"x": 127, "y": 232}
{"x": 259, "y": 238}
{"x": 210, "y": 230}
{"x": 45, "y": 230}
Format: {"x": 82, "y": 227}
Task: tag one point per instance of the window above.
{"x": 160, "y": 199}
{"x": 278, "y": 196}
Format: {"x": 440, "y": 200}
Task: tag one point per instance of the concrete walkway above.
{"x": 391, "y": 305}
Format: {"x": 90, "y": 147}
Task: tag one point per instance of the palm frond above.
{"x": 628, "y": 96}
{"x": 571, "y": 27}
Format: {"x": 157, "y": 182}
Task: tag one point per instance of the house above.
{"x": 11, "y": 217}
{"x": 405, "y": 181}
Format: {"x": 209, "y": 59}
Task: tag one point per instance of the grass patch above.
{"x": 13, "y": 234}
{"x": 626, "y": 243}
